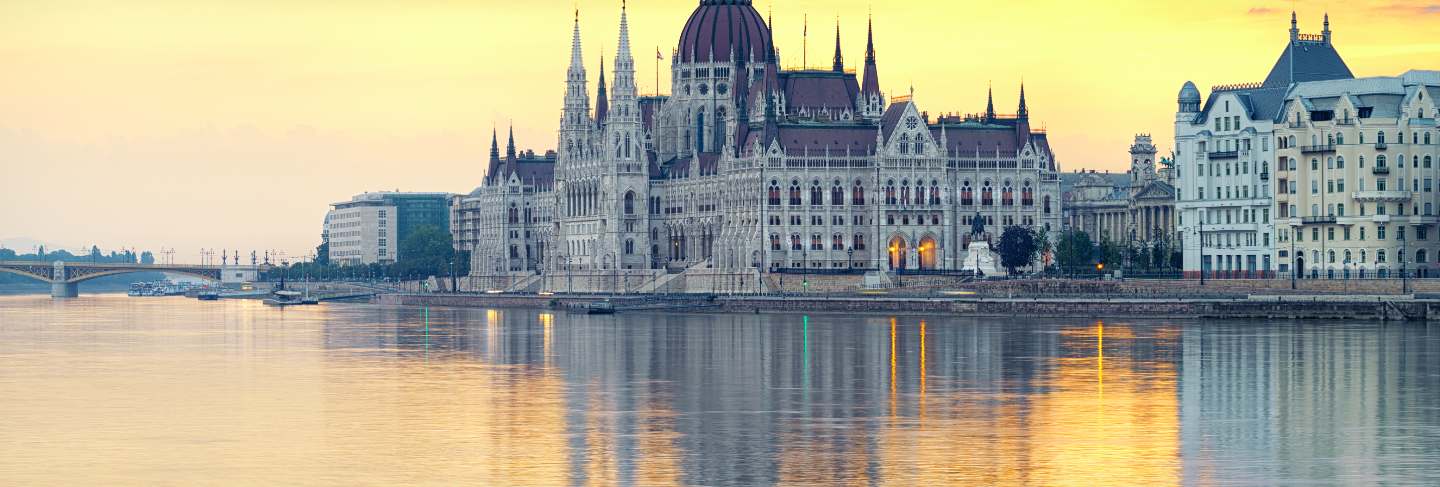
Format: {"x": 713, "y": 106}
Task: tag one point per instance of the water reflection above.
{"x": 192, "y": 392}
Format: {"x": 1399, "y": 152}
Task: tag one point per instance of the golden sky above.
{"x": 232, "y": 124}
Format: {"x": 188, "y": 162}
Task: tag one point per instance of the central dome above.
{"x": 723, "y": 27}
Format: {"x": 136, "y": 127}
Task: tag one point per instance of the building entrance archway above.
{"x": 928, "y": 251}
{"x": 898, "y": 249}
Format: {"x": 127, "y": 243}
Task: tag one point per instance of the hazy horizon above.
{"x": 155, "y": 124}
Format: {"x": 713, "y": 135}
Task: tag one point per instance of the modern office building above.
{"x": 368, "y": 229}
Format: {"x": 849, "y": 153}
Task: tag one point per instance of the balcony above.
{"x": 1229, "y": 154}
{"x": 1310, "y": 149}
{"x": 1264, "y": 175}
{"x": 1380, "y": 170}
{"x": 1380, "y": 196}
{"x": 1381, "y": 146}
{"x": 1317, "y": 220}
{"x": 1345, "y": 121}
{"x": 1296, "y": 124}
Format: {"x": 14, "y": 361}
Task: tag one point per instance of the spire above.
{"x": 989, "y": 104}
{"x": 839, "y": 60}
{"x": 494, "y": 168}
{"x": 602, "y": 101}
{"x": 872, "y": 74}
{"x": 510, "y": 147}
{"x": 576, "y": 124}
{"x": 1023, "y": 113}
{"x": 576, "y": 61}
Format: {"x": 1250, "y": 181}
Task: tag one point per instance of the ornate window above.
{"x": 816, "y": 196}
{"x": 774, "y": 194}
{"x": 857, "y": 195}
{"x": 794, "y": 193}
{"x": 837, "y": 195}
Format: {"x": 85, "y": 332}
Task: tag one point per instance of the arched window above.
{"x": 1340, "y": 139}
{"x": 1027, "y": 194}
{"x": 794, "y": 193}
{"x": 1047, "y": 204}
{"x": 934, "y": 193}
{"x": 1007, "y": 195}
{"x": 890, "y": 192}
{"x": 816, "y": 196}
{"x": 1380, "y": 160}
{"x": 1331, "y": 255}
{"x": 1340, "y": 162}
{"x": 837, "y": 195}
{"x": 905, "y": 144}
{"x": 1420, "y": 256}
{"x": 967, "y": 193}
{"x": 1380, "y": 137}
{"x": 905, "y": 192}
{"x": 629, "y": 202}
{"x": 629, "y": 247}
{"x": 919, "y": 145}
{"x": 628, "y": 143}
{"x": 837, "y": 242}
{"x": 795, "y": 242}
{"x": 1427, "y": 138}
{"x": 857, "y": 195}
{"x": 987, "y": 195}
{"x": 774, "y": 241}
{"x": 774, "y": 195}
{"x": 1347, "y": 256}
{"x": 859, "y": 242}
{"x": 1427, "y": 162}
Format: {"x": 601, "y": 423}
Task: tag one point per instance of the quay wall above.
{"x": 1316, "y": 308}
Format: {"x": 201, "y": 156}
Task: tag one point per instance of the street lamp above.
{"x": 1200, "y": 235}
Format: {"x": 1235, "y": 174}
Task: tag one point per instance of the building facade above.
{"x": 1356, "y": 168}
{"x": 1138, "y": 213}
{"x": 368, "y": 229}
{"x": 748, "y": 166}
{"x": 1224, "y": 153}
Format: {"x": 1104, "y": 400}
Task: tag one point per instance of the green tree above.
{"x": 7, "y": 254}
{"x": 1017, "y": 248}
{"x": 1110, "y": 253}
{"x": 147, "y": 258}
{"x": 1043, "y": 245}
{"x": 322, "y": 254}
{"x": 427, "y": 251}
{"x": 1075, "y": 250}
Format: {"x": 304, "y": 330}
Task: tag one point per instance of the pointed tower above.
{"x": 1022, "y": 118}
{"x": 872, "y": 102}
{"x": 510, "y": 146}
{"x": 575, "y": 126}
{"x": 602, "y": 101}
{"x": 989, "y": 105}
{"x": 839, "y": 60}
{"x": 493, "y": 169}
{"x": 622, "y": 141}
{"x": 1294, "y": 27}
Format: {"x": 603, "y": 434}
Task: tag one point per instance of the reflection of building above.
{"x": 369, "y": 228}
{"x": 1356, "y": 174}
{"x": 1223, "y": 154}
{"x": 1139, "y": 212}
{"x": 745, "y": 166}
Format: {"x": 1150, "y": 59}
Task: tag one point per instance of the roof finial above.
{"x": 839, "y": 60}
{"x": 1294, "y": 27}
{"x": 1326, "y": 32}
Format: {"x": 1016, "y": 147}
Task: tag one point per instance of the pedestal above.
{"x": 64, "y": 290}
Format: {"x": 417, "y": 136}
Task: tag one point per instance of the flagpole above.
{"x": 658, "y": 58}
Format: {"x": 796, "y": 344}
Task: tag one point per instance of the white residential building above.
{"x": 1224, "y": 153}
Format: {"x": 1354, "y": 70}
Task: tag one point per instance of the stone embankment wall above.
{"x": 1313, "y": 308}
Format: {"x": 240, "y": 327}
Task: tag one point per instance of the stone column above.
{"x": 60, "y": 289}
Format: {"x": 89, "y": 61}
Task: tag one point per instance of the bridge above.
{"x": 64, "y": 278}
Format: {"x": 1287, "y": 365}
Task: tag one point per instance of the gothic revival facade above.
{"x": 746, "y": 166}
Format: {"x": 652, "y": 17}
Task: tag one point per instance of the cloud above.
{"x": 1406, "y": 9}
{"x": 1261, "y": 11}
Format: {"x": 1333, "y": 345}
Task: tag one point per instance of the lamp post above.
{"x": 1404, "y": 288}
{"x": 1200, "y": 235}
{"x": 850, "y": 257}
{"x": 805, "y": 271}
{"x": 1294, "y": 259}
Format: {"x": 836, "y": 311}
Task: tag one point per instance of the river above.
{"x": 111, "y": 390}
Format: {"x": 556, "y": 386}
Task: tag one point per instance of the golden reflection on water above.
{"x": 121, "y": 391}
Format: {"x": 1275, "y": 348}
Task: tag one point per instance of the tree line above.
{"x": 426, "y": 251}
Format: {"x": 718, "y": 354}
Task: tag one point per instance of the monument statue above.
{"x": 977, "y": 225}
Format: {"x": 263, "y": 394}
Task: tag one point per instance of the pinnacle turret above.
{"x": 839, "y": 60}
{"x": 989, "y": 105}
{"x": 1023, "y": 112}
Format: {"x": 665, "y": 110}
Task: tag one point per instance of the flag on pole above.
{"x": 658, "y": 56}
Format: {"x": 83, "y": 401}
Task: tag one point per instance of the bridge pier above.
{"x": 64, "y": 290}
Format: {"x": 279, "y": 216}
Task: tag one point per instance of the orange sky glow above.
{"x": 193, "y": 124}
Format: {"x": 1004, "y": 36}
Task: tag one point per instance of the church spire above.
{"x": 576, "y": 126}
{"x": 839, "y": 60}
{"x": 1294, "y": 27}
{"x": 494, "y": 146}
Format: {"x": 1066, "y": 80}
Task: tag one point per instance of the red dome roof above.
{"x": 722, "y": 27}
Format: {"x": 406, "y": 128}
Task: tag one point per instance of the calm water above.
{"x": 109, "y": 390}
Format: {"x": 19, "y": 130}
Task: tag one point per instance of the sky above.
{"x": 205, "y": 124}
